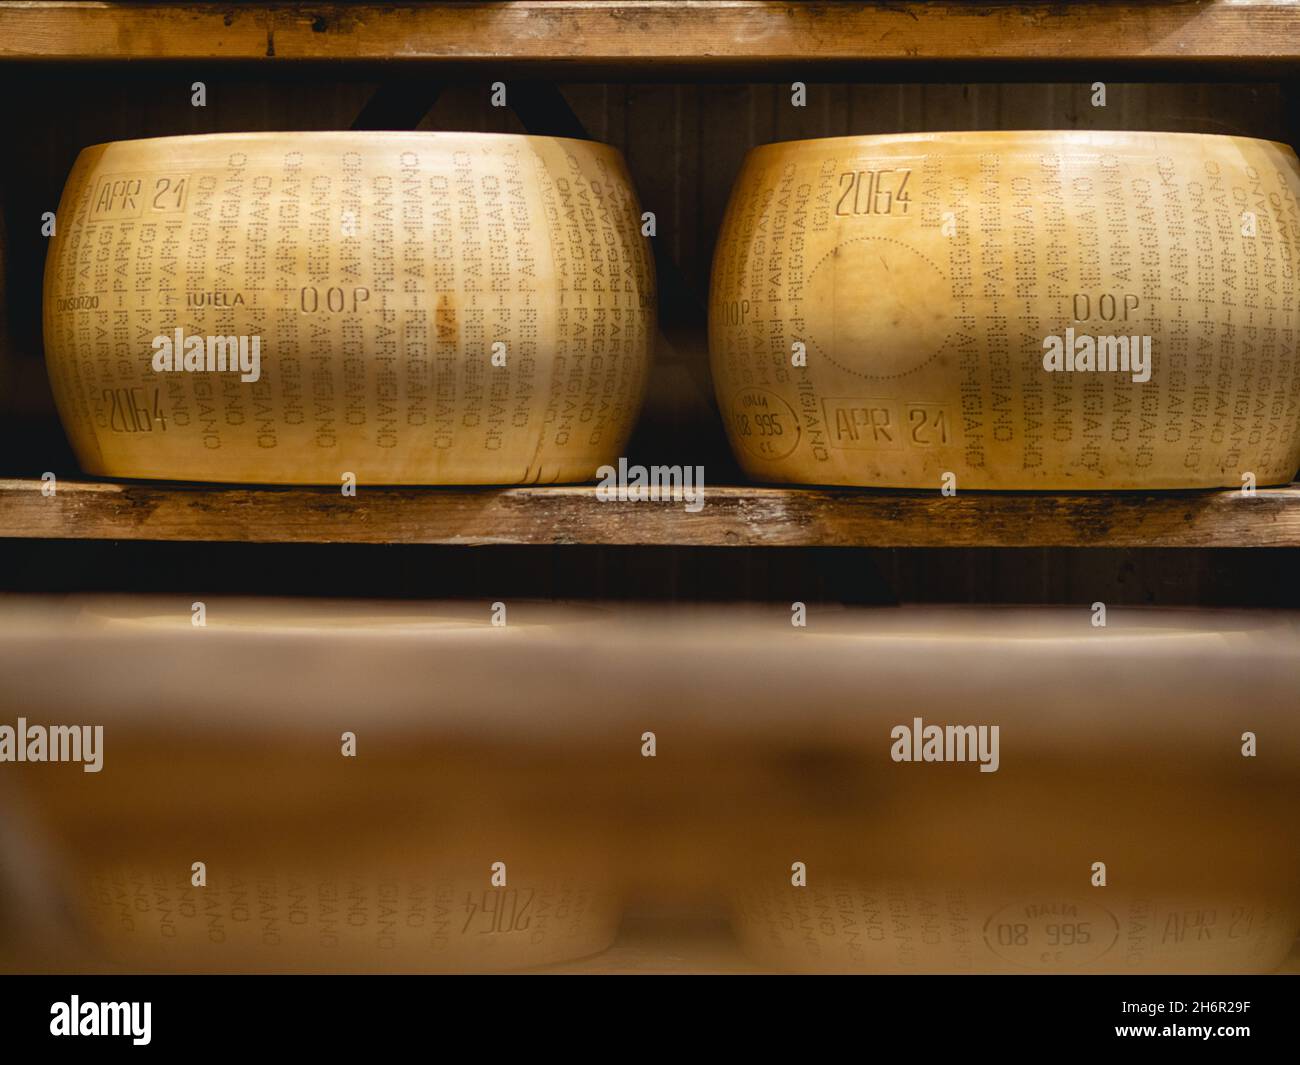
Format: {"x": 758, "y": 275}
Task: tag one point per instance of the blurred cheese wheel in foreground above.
{"x": 1056, "y": 746}
{"x": 410, "y": 308}
{"x": 315, "y": 860}
{"x": 887, "y": 310}
{"x": 948, "y": 927}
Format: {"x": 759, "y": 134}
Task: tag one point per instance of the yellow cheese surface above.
{"x": 881, "y": 308}
{"x": 430, "y": 308}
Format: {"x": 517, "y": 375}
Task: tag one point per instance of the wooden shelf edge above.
{"x": 740, "y": 516}
{"x": 632, "y": 31}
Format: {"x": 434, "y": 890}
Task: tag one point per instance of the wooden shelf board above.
{"x": 742, "y": 516}
{"x": 711, "y": 32}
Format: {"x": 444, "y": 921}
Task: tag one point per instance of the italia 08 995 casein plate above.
{"x": 1054, "y": 310}
{"x": 408, "y": 308}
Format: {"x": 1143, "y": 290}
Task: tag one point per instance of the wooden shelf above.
{"x": 642, "y": 32}
{"x": 741, "y": 516}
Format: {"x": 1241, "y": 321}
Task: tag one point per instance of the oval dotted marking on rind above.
{"x": 820, "y": 348}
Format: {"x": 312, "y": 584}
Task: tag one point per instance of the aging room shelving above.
{"x": 740, "y": 516}
{"x": 708, "y": 40}
{"x": 705, "y": 41}
{"x": 621, "y": 32}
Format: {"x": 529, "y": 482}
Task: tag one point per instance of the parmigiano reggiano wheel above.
{"x": 315, "y": 860}
{"x": 875, "y": 926}
{"x": 410, "y": 308}
{"x": 886, "y": 310}
{"x": 378, "y": 914}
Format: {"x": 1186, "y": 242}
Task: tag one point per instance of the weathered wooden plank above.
{"x": 739, "y": 516}
{"x": 609, "y": 31}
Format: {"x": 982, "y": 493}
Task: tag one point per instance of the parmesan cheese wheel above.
{"x": 1052, "y": 310}
{"x": 407, "y": 308}
{"x": 369, "y": 916}
{"x": 314, "y": 859}
{"x": 881, "y": 927}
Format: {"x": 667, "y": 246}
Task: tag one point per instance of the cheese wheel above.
{"x": 1020, "y": 310}
{"x": 294, "y": 308}
{"x": 881, "y": 927}
{"x": 381, "y": 860}
{"x": 363, "y": 917}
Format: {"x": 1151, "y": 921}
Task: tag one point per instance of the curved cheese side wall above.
{"x": 366, "y": 917}
{"x": 381, "y": 274}
{"x": 883, "y": 927}
{"x": 922, "y": 274}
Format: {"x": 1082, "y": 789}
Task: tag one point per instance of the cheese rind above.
{"x": 889, "y": 310}
{"x": 937, "y": 927}
{"x": 428, "y": 308}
